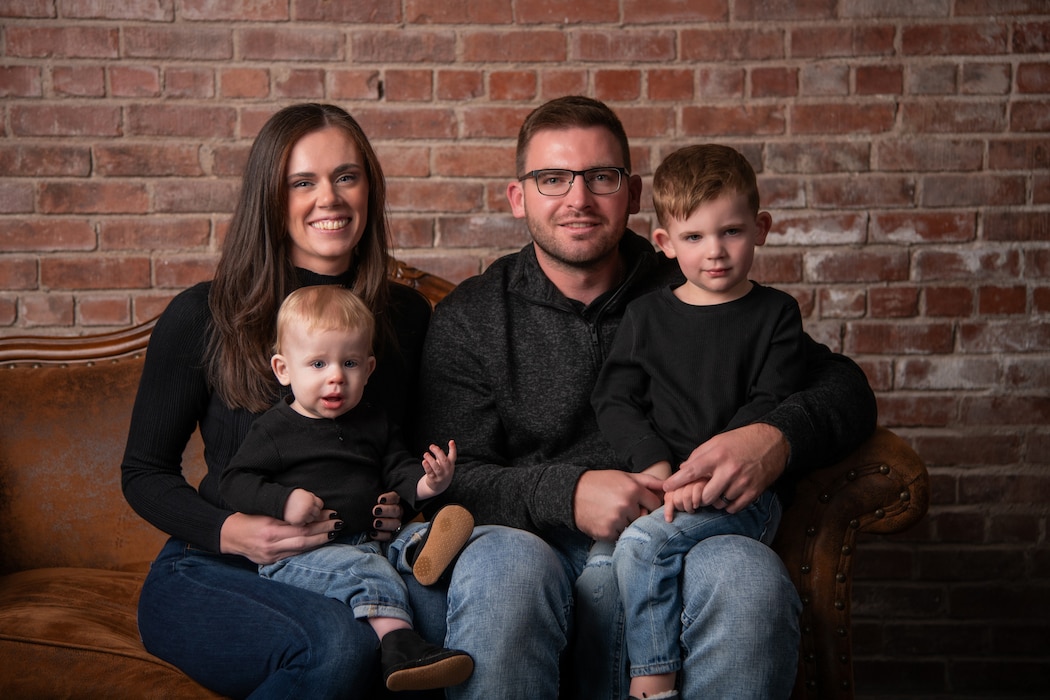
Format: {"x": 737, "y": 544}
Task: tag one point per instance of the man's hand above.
{"x": 607, "y": 501}
{"x": 737, "y": 466}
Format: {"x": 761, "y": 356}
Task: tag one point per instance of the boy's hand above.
{"x": 438, "y": 467}
{"x": 686, "y": 499}
{"x": 302, "y": 507}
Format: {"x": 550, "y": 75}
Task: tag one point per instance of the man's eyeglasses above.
{"x": 555, "y": 183}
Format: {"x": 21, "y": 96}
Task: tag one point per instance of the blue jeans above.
{"x": 507, "y": 604}
{"x": 739, "y": 619}
{"x": 354, "y": 572}
{"x": 241, "y": 635}
{"x": 648, "y": 561}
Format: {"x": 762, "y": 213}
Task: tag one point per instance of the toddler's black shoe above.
{"x": 448, "y": 533}
{"x": 411, "y": 663}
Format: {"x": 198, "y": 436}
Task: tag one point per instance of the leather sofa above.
{"x": 73, "y": 555}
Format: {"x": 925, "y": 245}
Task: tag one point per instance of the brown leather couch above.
{"x": 73, "y": 554}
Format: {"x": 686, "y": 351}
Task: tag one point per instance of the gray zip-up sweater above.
{"x": 508, "y": 369}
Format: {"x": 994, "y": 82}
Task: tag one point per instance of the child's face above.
{"x": 326, "y": 369}
{"x": 715, "y": 247}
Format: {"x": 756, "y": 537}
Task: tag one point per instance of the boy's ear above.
{"x": 662, "y": 238}
{"x": 763, "y": 222}
{"x": 280, "y": 369}
{"x": 371, "y": 365}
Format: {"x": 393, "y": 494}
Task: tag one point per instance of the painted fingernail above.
{"x": 333, "y": 516}
{"x": 377, "y": 524}
{"x": 338, "y": 526}
{"x": 377, "y": 511}
{"x": 373, "y": 534}
{"x": 331, "y": 535}
{"x": 382, "y": 499}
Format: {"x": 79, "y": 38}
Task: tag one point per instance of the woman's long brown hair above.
{"x": 255, "y": 272}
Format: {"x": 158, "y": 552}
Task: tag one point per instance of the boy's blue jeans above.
{"x": 354, "y": 571}
{"x": 648, "y": 563}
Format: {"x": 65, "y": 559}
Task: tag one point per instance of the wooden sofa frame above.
{"x": 73, "y": 554}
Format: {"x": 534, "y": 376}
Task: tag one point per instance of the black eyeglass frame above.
{"x": 535, "y": 175}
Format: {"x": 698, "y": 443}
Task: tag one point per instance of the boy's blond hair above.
{"x": 696, "y": 174}
{"x": 325, "y": 307}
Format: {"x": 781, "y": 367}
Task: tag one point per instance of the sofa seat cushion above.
{"x": 72, "y": 632}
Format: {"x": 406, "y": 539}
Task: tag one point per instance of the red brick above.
{"x": 1030, "y": 116}
{"x": 195, "y": 196}
{"x": 65, "y": 120}
{"x": 840, "y": 118}
{"x": 152, "y": 160}
{"x": 61, "y": 42}
{"x": 879, "y": 80}
{"x": 458, "y": 85}
{"x": 775, "y": 81}
{"x": 177, "y": 272}
{"x": 407, "y": 122}
{"x": 412, "y": 232}
{"x": 811, "y": 230}
{"x": 894, "y": 302}
{"x": 196, "y": 43}
{"x": 17, "y": 197}
{"x": 1004, "y": 336}
{"x": 916, "y": 227}
{"x": 18, "y": 273}
{"x": 824, "y": 80}
{"x": 670, "y": 84}
{"x": 778, "y": 268}
{"x": 282, "y": 44}
{"x": 255, "y": 11}
{"x": 46, "y": 234}
{"x": 985, "y": 79}
{"x": 857, "y": 266}
{"x": 154, "y": 233}
{"x": 1033, "y": 77}
{"x": 759, "y": 120}
{"x": 26, "y": 9}
{"x": 445, "y": 12}
{"x": 474, "y": 161}
{"x": 1016, "y": 226}
{"x": 973, "y": 190}
{"x": 189, "y": 82}
{"x": 95, "y": 273}
{"x": 511, "y": 46}
{"x": 948, "y": 301}
{"x": 558, "y": 82}
{"x": 354, "y": 84}
{"x": 8, "y": 305}
{"x": 626, "y": 46}
{"x": 721, "y": 44}
{"x": 438, "y": 196}
{"x": 863, "y": 191}
{"x": 20, "y": 81}
{"x": 661, "y": 11}
{"x": 147, "y": 306}
{"x": 43, "y": 310}
{"x": 930, "y": 155}
{"x": 913, "y": 411}
{"x": 239, "y": 83}
{"x": 966, "y": 265}
{"x": 90, "y": 197}
{"x": 931, "y": 79}
{"x": 947, "y": 373}
{"x": 996, "y": 301}
{"x": 1018, "y": 154}
{"x": 843, "y": 302}
{"x": 144, "y": 10}
{"x": 103, "y": 310}
{"x": 617, "y": 85}
{"x": 134, "y": 81}
{"x": 494, "y": 122}
{"x": 181, "y": 120}
{"x": 842, "y": 41}
{"x": 481, "y": 232}
{"x": 1031, "y": 37}
{"x": 409, "y": 85}
{"x": 512, "y": 85}
{"x": 969, "y": 448}
{"x": 898, "y": 338}
{"x": 953, "y": 39}
{"x": 716, "y": 83}
{"x": 553, "y": 11}
{"x": 947, "y": 117}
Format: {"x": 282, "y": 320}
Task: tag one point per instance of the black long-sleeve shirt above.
{"x": 509, "y": 366}
{"x": 678, "y": 373}
{"x": 174, "y": 398}
{"x": 346, "y": 461}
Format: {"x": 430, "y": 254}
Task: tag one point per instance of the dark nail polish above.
{"x": 338, "y": 526}
{"x": 331, "y": 535}
{"x": 333, "y": 516}
{"x": 382, "y": 499}
{"x": 377, "y": 511}
{"x": 377, "y": 524}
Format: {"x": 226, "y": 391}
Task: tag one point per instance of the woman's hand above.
{"x": 388, "y": 514}
{"x": 264, "y": 540}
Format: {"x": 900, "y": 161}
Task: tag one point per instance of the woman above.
{"x": 311, "y": 211}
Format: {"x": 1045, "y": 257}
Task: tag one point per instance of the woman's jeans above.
{"x": 648, "y": 562}
{"x": 507, "y": 604}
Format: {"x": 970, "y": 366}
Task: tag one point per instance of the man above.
{"x": 510, "y": 361}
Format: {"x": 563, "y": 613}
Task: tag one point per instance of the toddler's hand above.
{"x": 439, "y": 467}
{"x": 302, "y": 507}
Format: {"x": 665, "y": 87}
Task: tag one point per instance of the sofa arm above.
{"x": 881, "y": 488}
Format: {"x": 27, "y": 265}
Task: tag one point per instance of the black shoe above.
{"x": 448, "y": 533}
{"x": 411, "y": 663}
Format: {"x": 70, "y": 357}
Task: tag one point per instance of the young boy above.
{"x": 712, "y": 354}
{"x": 325, "y": 450}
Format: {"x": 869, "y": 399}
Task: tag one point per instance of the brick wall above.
{"x": 902, "y": 148}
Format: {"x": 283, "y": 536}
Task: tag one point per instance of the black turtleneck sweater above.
{"x": 174, "y": 399}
